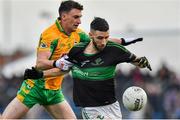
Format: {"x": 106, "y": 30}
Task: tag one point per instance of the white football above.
{"x": 134, "y": 98}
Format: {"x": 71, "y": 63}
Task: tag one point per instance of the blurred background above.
{"x": 157, "y": 21}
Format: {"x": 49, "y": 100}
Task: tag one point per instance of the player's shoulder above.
{"x": 115, "y": 45}
{"x": 50, "y": 29}
{"x": 78, "y": 48}
{"x": 50, "y": 33}
{"x": 80, "y": 33}
{"x": 79, "y": 30}
{"x": 81, "y": 45}
{"x": 83, "y": 36}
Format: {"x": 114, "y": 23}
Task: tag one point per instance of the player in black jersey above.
{"x": 93, "y": 72}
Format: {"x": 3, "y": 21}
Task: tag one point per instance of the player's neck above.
{"x": 65, "y": 28}
{"x": 90, "y": 49}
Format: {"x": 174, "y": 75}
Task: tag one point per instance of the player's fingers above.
{"x": 149, "y": 67}
{"x": 147, "y": 64}
{"x": 143, "y": 61}
{"x": 26, "y": 74}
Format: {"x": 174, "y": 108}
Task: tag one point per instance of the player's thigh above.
{"x": 61, "y": 110}
{"x": 16, "y": 109}
{"x": 29, "y": 94}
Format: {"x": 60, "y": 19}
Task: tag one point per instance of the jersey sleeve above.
{"x": 44, "y": 44}
{"x": 120, "y": 53}
{"x": 125, "y": 55}
{"x": 47, "y": 43}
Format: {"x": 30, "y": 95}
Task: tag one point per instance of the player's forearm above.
{"x": 43, "y": 64}
{"x": 119, "y": 41}
{"x": 126, "y": 41}
{"x": 54, "y": 72}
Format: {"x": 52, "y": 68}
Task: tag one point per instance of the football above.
{"x": 134, "y": 98}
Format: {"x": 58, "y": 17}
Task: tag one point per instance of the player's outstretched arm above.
{"x": 142, "y": 62}
{"x": 126, "y": 41}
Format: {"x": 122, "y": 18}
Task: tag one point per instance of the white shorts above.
{"x": 111, "y": 111}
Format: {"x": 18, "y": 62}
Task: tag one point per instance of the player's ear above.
{"x": 63, "y": 16}
{"x": 90, "y": 34}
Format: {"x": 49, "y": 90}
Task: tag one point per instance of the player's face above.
{"x": 71, "y": 20}
{"x": 99, "y": 39}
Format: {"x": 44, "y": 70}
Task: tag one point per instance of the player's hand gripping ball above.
{"x": 134, "y": 98}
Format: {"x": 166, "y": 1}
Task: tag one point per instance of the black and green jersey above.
{"x": 93, "y": 73}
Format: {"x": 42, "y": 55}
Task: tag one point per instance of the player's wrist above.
{"x": 58, "y": 63}
{"x": 123, "y": 41}
{"x": 63, "y": 63}
{"x": 54, "y": 63}
{"x": 41, "y": 74}
{"x": 127, "y": 41}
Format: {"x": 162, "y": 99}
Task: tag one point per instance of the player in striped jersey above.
{"x": 94, "y": 70}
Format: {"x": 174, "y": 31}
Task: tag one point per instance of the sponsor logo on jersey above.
{"x": 84, "y": 62}
{"x": 78, "y": 71}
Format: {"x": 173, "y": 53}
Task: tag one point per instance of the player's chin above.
{"x": 75, "y": 27}
{"x": 101, "y": 48}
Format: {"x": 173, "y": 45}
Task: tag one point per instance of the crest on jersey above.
{"x": 97, "y": 62}
{"x": 43, "y": 45}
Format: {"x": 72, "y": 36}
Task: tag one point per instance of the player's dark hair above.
{"x": 99, "y": 24}
{"x": 68, "y": 5}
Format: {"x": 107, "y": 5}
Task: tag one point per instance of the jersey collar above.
{"x": 58, "y": 24}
